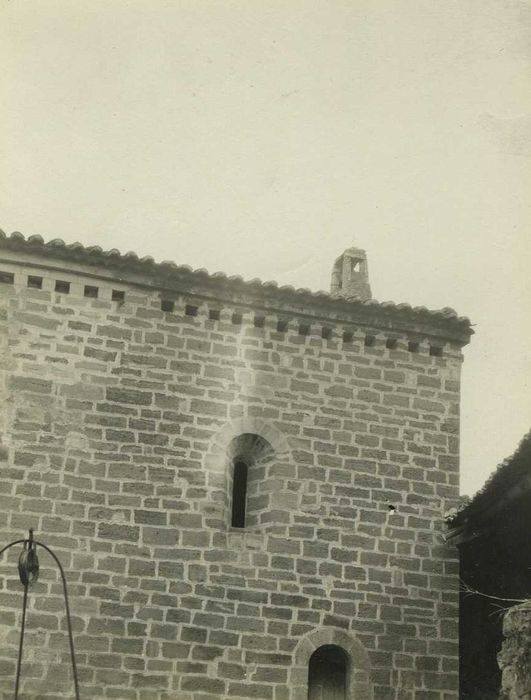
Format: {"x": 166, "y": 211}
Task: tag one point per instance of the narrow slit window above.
{"x": 391, "y": 343}
{"x": 326, "y": 332}
{"x": 259, "y": 321}
{"x": 236, "y": 319}
{"x": 369, "y": 341}
{"x": 214, "y": 314}
{"x": 348, "y": 337}
{"x": 190, "y": 310}
{"x": 413, "y": 346}
{"x": 436, "y": 351}
{"x": 304, "y": 329}
{"x": 282, "y": 326}
{"x": 239, "y": 494}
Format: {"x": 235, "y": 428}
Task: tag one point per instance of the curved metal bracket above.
{"x": 28, "y": 568}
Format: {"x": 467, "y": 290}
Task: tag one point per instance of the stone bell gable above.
{"x": 350, "y": 275}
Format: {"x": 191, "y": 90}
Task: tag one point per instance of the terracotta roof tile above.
{"x": 457, "y": 326}
{"x": 509, "y": 483}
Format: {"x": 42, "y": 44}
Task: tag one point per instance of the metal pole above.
{"x": 21, "y": 640}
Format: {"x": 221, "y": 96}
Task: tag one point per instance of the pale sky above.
{"x": 263, "y": 137}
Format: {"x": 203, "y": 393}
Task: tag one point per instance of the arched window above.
{"x": 239, "y": 494}
{"x": 327, "y": 673}
{"x": 249, "y": 479}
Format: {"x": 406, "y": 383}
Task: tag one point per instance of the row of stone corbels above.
{"x": 316, "y": 327}
{"x": 121, "y": 297}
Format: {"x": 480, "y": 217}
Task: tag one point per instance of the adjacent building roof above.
{"x": 510, "y": 482}
{"x": 168, "y": 275}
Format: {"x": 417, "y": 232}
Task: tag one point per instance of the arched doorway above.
{"x": 327, "y": 673}
{"x": 352, "y": 658}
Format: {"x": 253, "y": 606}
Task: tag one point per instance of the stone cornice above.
{"x": 172, "y": 279}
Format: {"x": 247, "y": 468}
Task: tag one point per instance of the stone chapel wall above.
{"x": 116, "y": 431}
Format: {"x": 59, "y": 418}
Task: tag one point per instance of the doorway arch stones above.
{"x": 359, "y": 686}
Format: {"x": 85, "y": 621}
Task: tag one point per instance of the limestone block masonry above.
{"x": 130, "y": 389}
{"x": 515, "y": 657}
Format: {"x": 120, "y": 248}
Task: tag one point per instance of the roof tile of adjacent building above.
{"x": 510, "y": 482}
{"x": 445, "y": 320}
